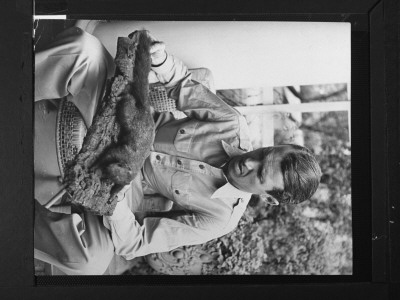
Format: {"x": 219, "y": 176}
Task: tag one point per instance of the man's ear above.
{"x": 269, "y": 199}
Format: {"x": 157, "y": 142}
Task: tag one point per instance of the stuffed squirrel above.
{"x": 122, "y": 162}
{"x": 121, "y": 135}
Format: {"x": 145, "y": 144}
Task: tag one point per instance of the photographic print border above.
{"x": 370, "y": 264}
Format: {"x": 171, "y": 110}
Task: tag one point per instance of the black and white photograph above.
{"x": 192, "y": 148}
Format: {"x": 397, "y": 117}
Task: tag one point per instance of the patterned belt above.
{"x": 70, "y": 132}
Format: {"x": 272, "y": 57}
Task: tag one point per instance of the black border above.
{"x": 360, "y": 167}
{"x": 392, "y": 89}
{"x": 381, "y": 42}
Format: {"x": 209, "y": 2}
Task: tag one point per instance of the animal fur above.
{"x": 121, "y": 134}
{"x": 122, "y": 163}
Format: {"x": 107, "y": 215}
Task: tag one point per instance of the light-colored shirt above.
{"x": 185, "y": 167}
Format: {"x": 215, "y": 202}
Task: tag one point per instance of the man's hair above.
{"x": 301, "y": 176}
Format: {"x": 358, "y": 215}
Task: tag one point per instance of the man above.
{"x": 203, "y": 163}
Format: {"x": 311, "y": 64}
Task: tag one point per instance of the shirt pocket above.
{"x": 180, "y": 185}
{"x": 184, "y": 136}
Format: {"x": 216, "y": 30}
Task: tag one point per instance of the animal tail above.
{"x": 141, "y": 69}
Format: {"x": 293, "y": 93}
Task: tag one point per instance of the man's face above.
{"x": 258, "y": 171}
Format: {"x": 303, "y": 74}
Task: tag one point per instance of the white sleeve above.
{"x": 123, "y": 226}
{"x": 157, "y": 234}
{"x": 171, "y": 71}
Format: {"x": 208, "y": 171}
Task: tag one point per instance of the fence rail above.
{"x": 302, "y": 107}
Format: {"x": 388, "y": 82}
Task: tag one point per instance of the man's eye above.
{"x": 260, "y": 175}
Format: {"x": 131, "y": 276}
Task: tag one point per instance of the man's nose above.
{"x": 251, "y": 163}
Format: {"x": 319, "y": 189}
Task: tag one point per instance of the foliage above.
{"x": 141, "y": 267}
{"x": 334, "y": 157}
{"x": 297, "y": 242}
{"x": 240, "y": 252}
{"x": 315, "y": 237}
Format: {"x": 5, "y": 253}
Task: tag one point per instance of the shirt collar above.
{"x": 228, "y": 190}
{"x": 232, "y": 151}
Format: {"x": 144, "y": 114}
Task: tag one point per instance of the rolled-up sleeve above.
{"x": 171, "y": 71}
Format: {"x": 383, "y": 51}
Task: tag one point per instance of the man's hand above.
{"x": 157, "y": 51}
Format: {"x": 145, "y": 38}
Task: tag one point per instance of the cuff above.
{"x": 158, "y": 65}
{"x": 121, "y": 211}
{"x": 165, "y": 67}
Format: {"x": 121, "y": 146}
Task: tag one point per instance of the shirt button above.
{"x": 179, "y": 162}
{"x": 201, "y": 167}
{"x": 182, "y": 131}
{"x": 158, "y": 157}
{"x": 177, "y": 192}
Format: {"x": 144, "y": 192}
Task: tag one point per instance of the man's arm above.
{"x": 194, "y": 99}
{"x": 159, "y": 234}
{"x": 167, "y": 69}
